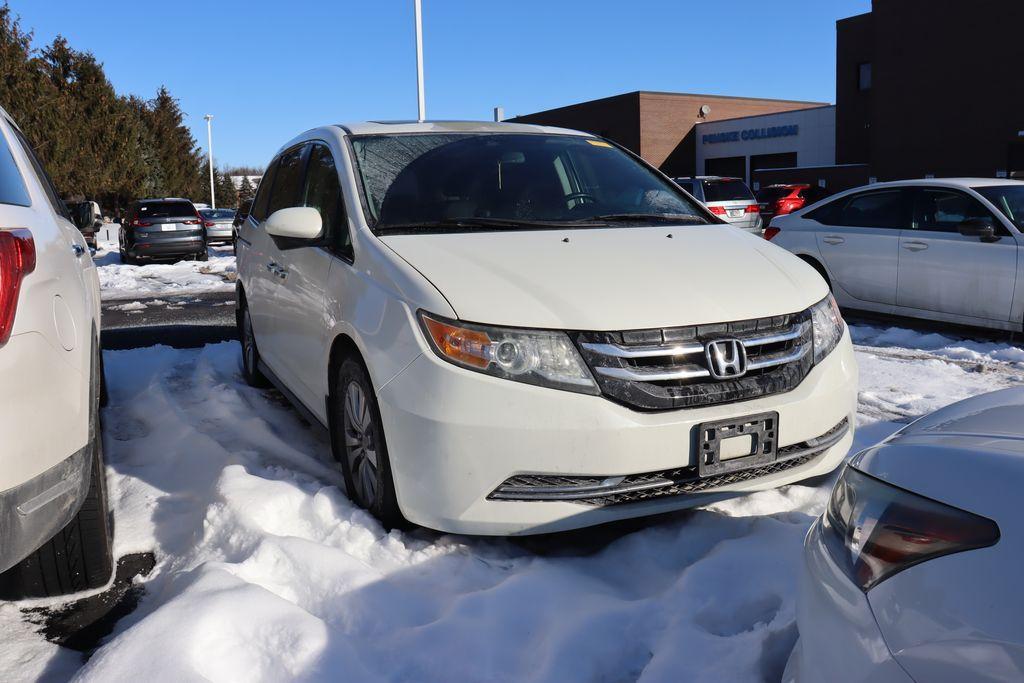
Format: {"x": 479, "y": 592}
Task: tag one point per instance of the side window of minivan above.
{"x": 323, "y": 193}
{"x": 262, "y": 199}
{"x": 287, "y": 189}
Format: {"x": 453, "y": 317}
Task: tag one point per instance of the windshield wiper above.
{"x": 469, "y": 224}
{"x": 642, "y": 217}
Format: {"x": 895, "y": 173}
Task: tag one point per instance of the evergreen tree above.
{"x": 246, "y": 191}
{"x": 180, "y": 159}
{"x": 227, "y": 194}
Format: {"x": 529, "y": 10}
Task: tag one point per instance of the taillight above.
{"x": 140, "y": 224}
{"x": 753, "y": 208}
{"x": 209, "y": 224}
{"x": 195, "y": 222}
{"x": 17, "y": 259}
{"x": 717, "y": 210}
{"x": 771, "y": 232}
{"x": 874, "y": 530}
{"x": 789, "y": 206}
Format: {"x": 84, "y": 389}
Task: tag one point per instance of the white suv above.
{"x": 517, "y": 329}
{"x": 54, "y": 525}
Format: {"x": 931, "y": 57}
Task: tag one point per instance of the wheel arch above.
{"x": 816, "y": 263}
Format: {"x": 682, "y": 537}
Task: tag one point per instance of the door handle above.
{"x": 277, "y": 270}
{"x": 833, "y": 239}
{"x": 915, "y": 246}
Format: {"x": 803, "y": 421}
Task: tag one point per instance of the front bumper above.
{"x": 839, "y": 638}
{"x": 31, "y": 513}
{"x": 455, "y": 436}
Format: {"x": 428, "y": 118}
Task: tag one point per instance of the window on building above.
{"x": 864, "y": 76}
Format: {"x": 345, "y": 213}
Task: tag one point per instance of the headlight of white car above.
{"x": 540, "y": 357}
{"x": 828, "y": 327}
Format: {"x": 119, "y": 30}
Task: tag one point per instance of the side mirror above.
{"x": 295, "y": 223}
{"x": 982, "y": 228}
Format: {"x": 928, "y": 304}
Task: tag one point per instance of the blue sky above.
{"x": 269, "y": 70}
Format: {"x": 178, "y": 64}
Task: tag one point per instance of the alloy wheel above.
{"x": 360, "y": 445}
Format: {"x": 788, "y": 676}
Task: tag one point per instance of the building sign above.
{"x": 751, "y": 134}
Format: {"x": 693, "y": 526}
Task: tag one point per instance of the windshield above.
{"x": 1009, "y": 199}
{"x": 218, "y": 214}
{"x": 508, "y": 181}
{"x": 726, "y": 190}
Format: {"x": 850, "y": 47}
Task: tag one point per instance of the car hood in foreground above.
{"x": 612, "y": 278}
{"x": 969, "y": 454}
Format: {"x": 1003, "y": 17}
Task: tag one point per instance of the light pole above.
{"x": 209, "y": 150}
{"x": 420, "y": 99}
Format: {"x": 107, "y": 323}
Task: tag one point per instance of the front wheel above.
{"x": 360, "y": 446}
{"x": 250, "y": 352}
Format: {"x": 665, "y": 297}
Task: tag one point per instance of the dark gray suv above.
{"x": 162, "y": 228}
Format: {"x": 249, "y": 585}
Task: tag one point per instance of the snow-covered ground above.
{"x": 121, "y": 281}
{"x": 266, "y": 572}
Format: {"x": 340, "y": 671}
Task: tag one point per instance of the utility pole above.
{"x": 209, "y": 151}
{"x": 420, "y": 98}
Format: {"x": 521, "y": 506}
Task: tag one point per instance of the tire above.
{"x": 204, "y": 256}
{"x": 128, "y": 260}
{"x": 359, "y": 445}
{"x": 79, "y": 557}
{"x": 250, "y": 351}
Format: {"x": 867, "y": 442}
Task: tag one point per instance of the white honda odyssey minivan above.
{"x": 515, "y": 329}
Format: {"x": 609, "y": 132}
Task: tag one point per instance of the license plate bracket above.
{"x": 717, "y": 454}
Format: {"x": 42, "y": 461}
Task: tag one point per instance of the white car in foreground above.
{"x": 54, "y": 526}
{"x": 940, "y": 249}
{"x": 518, "y": 329}
{"x": 913, "y": 573}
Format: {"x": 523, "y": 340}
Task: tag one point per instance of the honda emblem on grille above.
{"x": 727, "y": 358}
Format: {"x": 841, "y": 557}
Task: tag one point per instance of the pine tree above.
{"x": 227, "y": 194}
{"x": 246, "y": 191}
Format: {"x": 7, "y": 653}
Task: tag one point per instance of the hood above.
{"x": 966, "y": 454}
{"x": 612, "y": 278}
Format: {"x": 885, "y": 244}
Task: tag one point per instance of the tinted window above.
{"x": 287, "y": 189}
{"x": 686, "y": 185}
{"x": 12, "y": 185}
{"x": 43, "y": 177}
{"x": 323, "y": 193}
{"x": 167, "y": 210}
{"x": 217, "y": 214}
{"x": 262, "y": 199}
{"x": 423, "y": 180}
{"x": 726, "y": 190}
{"x": 945, "y": 210}
{"x": 1009, "y": 199}
{"x": 874, "y": 210}
{"x": 770, "y": 194}
{"x": 864, "y": 76}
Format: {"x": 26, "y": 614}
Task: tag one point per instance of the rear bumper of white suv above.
{"x": 456, "y": 438}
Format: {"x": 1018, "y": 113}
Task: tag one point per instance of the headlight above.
{"x": 539, "y": 357}
{"x": 828, "y": 327}
{"x": 873, "y": 529}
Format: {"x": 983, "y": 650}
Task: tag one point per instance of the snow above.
{"x": 266, "y": 572}
{"x": 121, "y": 281}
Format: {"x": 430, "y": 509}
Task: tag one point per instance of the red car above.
{"x": 778, "y": 200}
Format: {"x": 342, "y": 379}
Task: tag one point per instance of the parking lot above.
{"x": 265, "y": 569}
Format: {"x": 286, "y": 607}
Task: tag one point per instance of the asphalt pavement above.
{"x": 184, "y": 321}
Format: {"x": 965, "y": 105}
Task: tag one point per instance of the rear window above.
{"x": 12, "y": 185}
{"x": 167, "y": 210}
{"x": 771, "y": 194}
{"x": 217, "y": 214}
{"x": 726, "y": 190}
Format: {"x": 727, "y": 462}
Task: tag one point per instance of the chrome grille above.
{"x": 668, "y": 368}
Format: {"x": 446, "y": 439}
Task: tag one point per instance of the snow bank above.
{"x": 121, "y": 281}
{"x": 265, "y": 571}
